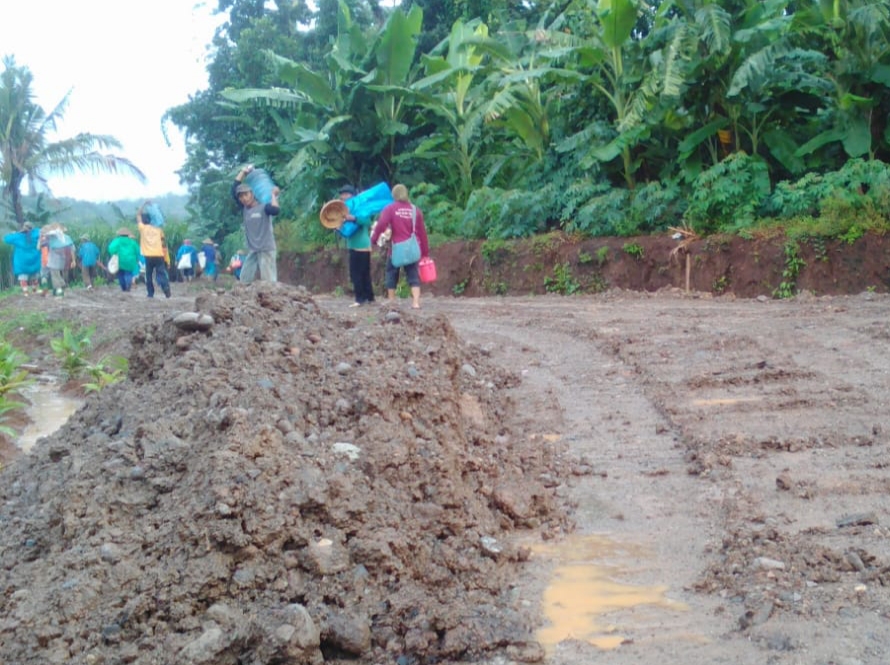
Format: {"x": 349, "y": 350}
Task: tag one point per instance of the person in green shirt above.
{"x": 125, "y": 247}
{"x": 359, "y": 246}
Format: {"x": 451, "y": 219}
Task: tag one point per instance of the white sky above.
{"x": 126, "y": 62}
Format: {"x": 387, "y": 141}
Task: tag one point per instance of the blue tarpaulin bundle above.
{"x": 56, "y": 238}
{"x": 371, "y": 201}
{"x": 153, "y": 212}
{"x": 60, "y": 240}
{"x": 261, "y": 184}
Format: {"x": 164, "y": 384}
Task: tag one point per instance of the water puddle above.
{"x": 49, "y": 410}
{"x": 584, "y": 591}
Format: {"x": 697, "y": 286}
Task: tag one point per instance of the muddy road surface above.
{"x": 706, "y": 479}
{"x": 729, "y": 475}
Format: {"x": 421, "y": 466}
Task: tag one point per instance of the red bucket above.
{"x": 427, "y": 270}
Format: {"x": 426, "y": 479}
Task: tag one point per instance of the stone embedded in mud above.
{"x": 193, "y": 321}
{"x": 349, "y": 634}
{"x": 251, "y": 497}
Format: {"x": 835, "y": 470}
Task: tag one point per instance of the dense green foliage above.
{"x": 510, "y": 119}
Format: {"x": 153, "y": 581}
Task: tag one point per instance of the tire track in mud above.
{"x": 777, "y": 408}
{"x": 634, "y": 487}
{"x": 723, "y": 437}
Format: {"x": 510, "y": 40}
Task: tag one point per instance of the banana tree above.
{"x": 448, "y": 93}
{"x": 522, "y": 71}
{"x": 639, "y": 86}
{"x": 334, "y": 125}
{"x": 855, "y": 35}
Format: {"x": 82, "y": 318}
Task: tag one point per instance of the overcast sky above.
{"x": 126, "y": 62}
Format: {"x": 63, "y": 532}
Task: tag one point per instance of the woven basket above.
{"x": 333, "y": 214}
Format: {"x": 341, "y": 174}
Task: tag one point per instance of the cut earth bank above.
{"x": 561, "y": 264}
{"x": 707, "y": 474}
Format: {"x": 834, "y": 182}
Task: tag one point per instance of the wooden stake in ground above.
{"x": 686, "y": 237}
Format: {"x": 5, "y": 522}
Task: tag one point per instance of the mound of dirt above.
{"x": 284, "y": 486}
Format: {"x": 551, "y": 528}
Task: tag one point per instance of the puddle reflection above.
{"x": 49, "y": 410}
{"x": 583, "y": 591}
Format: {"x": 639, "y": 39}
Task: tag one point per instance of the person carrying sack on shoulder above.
{"x": 153, "y": 244}
{"x": 406, "y": 221}
{"x": 261, "y": 248}
{"x": 359, "y": 247}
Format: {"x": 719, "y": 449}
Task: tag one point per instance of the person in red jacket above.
{"x": 404, "y": 218}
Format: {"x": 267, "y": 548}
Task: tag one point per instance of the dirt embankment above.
{"x": 567, "y": 265}
{"x": 286, "y": 487}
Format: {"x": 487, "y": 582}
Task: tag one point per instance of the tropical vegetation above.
{"x": 510, "y": 119}
{"x": 29, "y": 150}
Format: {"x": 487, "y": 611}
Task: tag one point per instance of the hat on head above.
{"x": 125, "y": 232}
{"x": 27, "y": 226}
{"x": 348, "y": 189}
{"x": 243, "y": 189}
{"x": 85, "y": 238}
{"x": 207, "y": 241}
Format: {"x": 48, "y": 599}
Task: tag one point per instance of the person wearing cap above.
{"x": 25, "y": 256}
{"x": 404, "y": 218}
{"x": 359, "y": 247}
{"x": 88, "y": 253}
{"x": 208, "y": 249}
{"x": 186, "y": 260}
{"x": 153, "y": 244}
{"x": 125, "y": 247}
{"x": 261, "y": 247}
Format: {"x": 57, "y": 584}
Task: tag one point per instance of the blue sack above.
{"x": 371, "y": 201}
{"x": 348, "y": 228}
{"x": 153, "y": 212}
{"x": 261, "y": 184}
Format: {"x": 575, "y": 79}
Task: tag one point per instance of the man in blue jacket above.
{"x": 25, "y": 256}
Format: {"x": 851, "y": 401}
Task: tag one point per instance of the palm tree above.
{"x": 28, "y": 154}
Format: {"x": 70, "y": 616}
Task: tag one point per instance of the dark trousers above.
{"x": 155, "y": 266}
{"x": 360, "y": 274}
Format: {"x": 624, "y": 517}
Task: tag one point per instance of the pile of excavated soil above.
{"x": 284, "y": 487}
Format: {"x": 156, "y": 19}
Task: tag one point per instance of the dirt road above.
{"x": 724, "y": 463}
{"x": 732, "y": 459}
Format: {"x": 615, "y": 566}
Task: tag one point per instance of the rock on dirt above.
{"x": 276, "y": 484}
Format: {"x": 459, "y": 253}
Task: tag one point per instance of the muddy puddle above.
{"x": 48, "y": 411}
{"x": 585, "y": 594}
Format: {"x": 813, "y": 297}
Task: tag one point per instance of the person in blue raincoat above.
{"x": 25, "y": 256}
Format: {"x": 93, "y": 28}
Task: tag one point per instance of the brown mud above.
{"x": 306, "y": 482}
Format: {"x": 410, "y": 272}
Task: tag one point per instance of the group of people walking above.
{"x": 397, "y": 223}
{"x": 43, "y": 257}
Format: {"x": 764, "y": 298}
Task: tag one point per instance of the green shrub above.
{"x": 654, "y": 207}
{"x": 505, "y": 213}
{"x": 73, "y": 349}
{"x": 602, "y": 215}
{"x": 562, "y": 281}
{"x": 727, "y": 196}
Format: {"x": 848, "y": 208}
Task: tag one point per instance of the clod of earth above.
{"x": 281, "y": 485}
